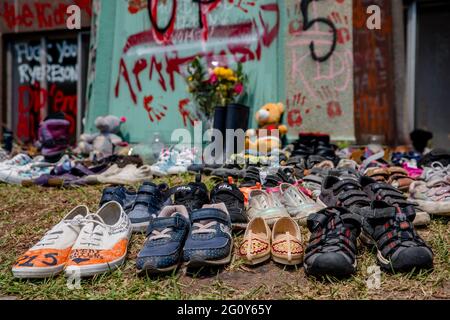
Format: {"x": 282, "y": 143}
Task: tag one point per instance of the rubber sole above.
{"x": 287, "y": 262}
{"x": 36, "y": 273}
{"x": 150, "y": 270}
{"x": 89, "y": 271}
{"x": 256, "y": 261}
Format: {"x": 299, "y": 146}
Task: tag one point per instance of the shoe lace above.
{"x": 94, "y": 237}
{"x": 436, "y": 169}
{"x": 53, "y": 235}
{"x": 200, "y": 227}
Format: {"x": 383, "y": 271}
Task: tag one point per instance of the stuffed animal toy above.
{"x": 270, "y": 131}
{"x": 102, "y": 144}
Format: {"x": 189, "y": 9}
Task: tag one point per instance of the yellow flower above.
{"x": 190, "y": 79}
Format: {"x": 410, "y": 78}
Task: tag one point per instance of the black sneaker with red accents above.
{"x": 391, "y": 230}
{"x": 332, "y": 246}
{"x": 228, "y": 193}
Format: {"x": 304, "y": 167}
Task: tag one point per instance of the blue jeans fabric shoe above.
{"x": 209, "y": 242}
{"x": 166, "y": 235}
{"x": 149, "y": 201}
{"x": 119, "y": 194}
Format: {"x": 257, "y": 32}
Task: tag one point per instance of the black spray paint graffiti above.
{"x": 162, "y": 30}
{"x": 307, "y": 24}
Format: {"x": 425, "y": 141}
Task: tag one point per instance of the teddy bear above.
{"x": 268, "y": 137}
{"x": 103, "y": 143}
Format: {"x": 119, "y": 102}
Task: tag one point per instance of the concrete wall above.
{"x": 139, "y": 72}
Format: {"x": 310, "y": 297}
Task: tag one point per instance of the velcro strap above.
{"x": 390, "y": 193}
{"x": 210, "y": 214}
{"x": 147, "y": 189}
{"x": 375, "y": 187}
{"x": 143, "y": 199}
{"x": 352, "y": 218}
{"x": 378, "y": 213}
{"x": 177, "y": 222}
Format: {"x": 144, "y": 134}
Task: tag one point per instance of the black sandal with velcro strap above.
{"x": 345, "y": 193}
{"x": 399, "y": 247}
{"x": 332, "y": 246}
{"x": 382, "y": 191}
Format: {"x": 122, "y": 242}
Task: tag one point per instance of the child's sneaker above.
{"x": 209, "y": 242}
{"x": 166, "y": 235}
{"x": 184, "y": 159}
{"x": 102, "y": 243}
{"x": 165, "y": 161}
{"x": 49, "y": 256}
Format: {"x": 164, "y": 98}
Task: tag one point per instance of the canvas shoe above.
{"x": 49, "y": 256}
{"x": 209, "y": 242}
{"x": 17, "y": 175}
{"x": 332, "y": 247}
{"x": 131, "y": 174}
{"x": 17, "y": 161}
{"x": 263, "y": 204}
{"x": 232, "y": 197}
{"x": 298, "y": 205}
{"x": 102, "y": 243}
{"x": 255, "y": 247}
{"x": 163, "y": 247}
{"x": 149, "y": 201}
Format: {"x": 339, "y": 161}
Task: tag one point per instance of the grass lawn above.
{"x": 27, "y": 213}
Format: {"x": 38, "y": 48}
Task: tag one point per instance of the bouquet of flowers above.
{"x": 218, "y": 86}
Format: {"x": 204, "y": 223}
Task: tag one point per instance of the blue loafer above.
{"x": 209, "y": 242}
{"x": 166, "y": 235}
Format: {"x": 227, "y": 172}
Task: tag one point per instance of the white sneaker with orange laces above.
{"x": 102, "y": 243}
{"x": 49, "y": 256}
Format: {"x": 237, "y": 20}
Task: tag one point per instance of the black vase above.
{"x": 237, "y": 118}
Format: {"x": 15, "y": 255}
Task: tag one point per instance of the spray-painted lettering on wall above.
{"x": 46, "y": 76}
{"x": 39, "y": 14}
{"x": 319, "y": 67}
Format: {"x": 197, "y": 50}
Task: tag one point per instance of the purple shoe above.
{"x": 54, "y": 136}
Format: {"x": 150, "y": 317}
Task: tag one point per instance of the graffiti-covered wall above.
{"x": 319, "y": 67}
{"x": 39, "y": 15}
{"x": 153, "y": 42}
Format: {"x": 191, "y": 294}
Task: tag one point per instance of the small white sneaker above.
{"x": 102, "y": 243}
{"x": 49, "y": 256}
{"x": 184, "y": 159}
{"x": 160, "y": 168}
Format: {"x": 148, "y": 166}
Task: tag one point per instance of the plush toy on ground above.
{"x": 268, "y": 136}
{"x": 103, "y": 143}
